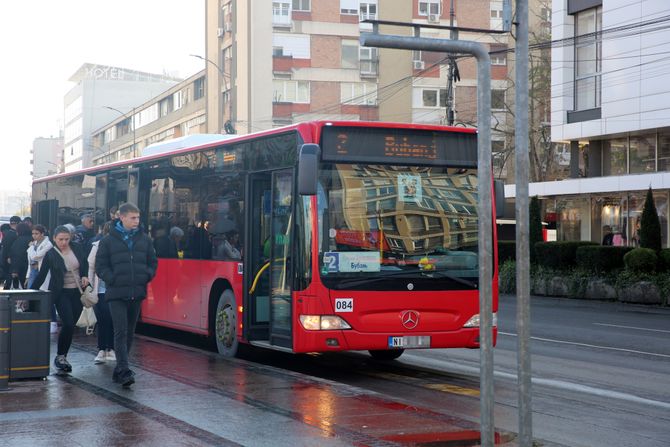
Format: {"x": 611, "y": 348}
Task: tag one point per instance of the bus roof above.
{"x": 309, "y": 129}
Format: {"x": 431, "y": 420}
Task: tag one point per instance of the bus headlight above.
{"x": 474, "y": 321}
{"x": 323, "y": 323}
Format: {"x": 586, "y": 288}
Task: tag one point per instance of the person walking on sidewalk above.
{"x": 61, "y": 269}
{"x": 126, "y": 261}
{"x": 105, "y": 329}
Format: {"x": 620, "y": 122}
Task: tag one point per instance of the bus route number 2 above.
{"x": 344, "y": 305}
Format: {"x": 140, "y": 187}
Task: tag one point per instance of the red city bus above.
{"x": 321, "y": 236}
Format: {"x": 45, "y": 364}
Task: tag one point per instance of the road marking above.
{"x": 586, "y": 345}
{"x": 443, "y": 387}
{"x": 453, "y": 389}
{"x": 550, "y": 383}
{"x": 632, "y": 327}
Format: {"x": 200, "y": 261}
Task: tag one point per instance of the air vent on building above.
{"x": 419, "y": 65}
{"x": 219, "y": 32}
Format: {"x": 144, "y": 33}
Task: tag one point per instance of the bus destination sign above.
{"x": 399, "y": 146}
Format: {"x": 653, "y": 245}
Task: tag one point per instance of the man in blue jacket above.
{"x": 126, "y": 261}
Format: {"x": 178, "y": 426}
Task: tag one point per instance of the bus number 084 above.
{"x": 344, "y": 305}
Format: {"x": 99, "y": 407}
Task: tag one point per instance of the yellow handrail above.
{"x": 258, "y": 275}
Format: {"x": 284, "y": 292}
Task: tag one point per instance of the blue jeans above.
{"x": 125, "y": 314}
{"x": 105, "y": 326}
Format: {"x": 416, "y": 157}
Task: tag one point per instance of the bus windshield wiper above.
{"x": 405, "y": 273}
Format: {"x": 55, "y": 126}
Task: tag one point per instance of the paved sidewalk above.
{"x": 185, "y": 396}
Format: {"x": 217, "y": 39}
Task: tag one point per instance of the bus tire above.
{"x": 225, "y": 325}
{"x": 386, "y": 354}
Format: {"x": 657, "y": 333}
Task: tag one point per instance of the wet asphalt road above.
{"x": 601, "y": 373}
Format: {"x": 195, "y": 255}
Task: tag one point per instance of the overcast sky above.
{"x": 43, "y": 43}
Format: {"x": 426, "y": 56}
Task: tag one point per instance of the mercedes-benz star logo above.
{"x": 410, "y": 319}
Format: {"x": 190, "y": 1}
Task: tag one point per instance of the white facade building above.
{"x": 611, "y": 102}
{"x": 91, "y": 102}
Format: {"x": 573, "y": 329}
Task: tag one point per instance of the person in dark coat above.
{"x": 8, "y": 238}
{"x": 126, "y": 262}
{"x": 85, "y": 232}
{"x": 18, "y": 254}
{"x": 63, "y": 267}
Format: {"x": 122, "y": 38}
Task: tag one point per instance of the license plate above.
{"x": 409, "y": 342}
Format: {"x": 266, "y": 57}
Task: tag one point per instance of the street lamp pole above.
{"x": 228, "y": 125}
{"x": 130, "y": 119}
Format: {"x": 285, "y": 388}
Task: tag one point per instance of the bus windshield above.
{"x": 387, "y": 227}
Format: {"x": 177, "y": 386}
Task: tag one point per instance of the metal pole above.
{"x": 132, "y": 123}
{"x": 450, "y": 83}
{"x": 522, "y": 227}
{"x": 484, "y": 206}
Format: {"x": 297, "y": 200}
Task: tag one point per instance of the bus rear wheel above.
{"x": 386, "y": 354}
{"x": 225, "y": 325}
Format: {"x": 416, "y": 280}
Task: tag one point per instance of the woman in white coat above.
{"x": 36, "y": 251}
{"x": 105, "y": 328}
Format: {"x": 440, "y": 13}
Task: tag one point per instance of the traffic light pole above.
{"x": 484, "y": 205}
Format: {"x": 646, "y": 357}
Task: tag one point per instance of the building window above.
{"x": 434, "y": 97}
{"x": 290, "y": 91}
{"x": 359, "y": 93}
{"x": 497, "y": 99}
{"x": 368, "y": 60}
{"x": 663, "y": 151}
{"x": 166, "y": 106}
{"x": 178, "y": 99}
{"x": 281, "y": 13}
{"x": 498, "y": 55}
{"x": 349, "y": 7}
{"x": 429, "y": 7}
{"x": 349, "y": 54}
{"x": 615, "y": 156}
{"x": 301, "y": 5}
{"x": 198, "y": 88}
{"x": 588, "y": 58}
{"x": 368, "y": 10}
{"x": 642, "y": 154}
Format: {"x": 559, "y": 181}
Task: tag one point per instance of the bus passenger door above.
{"x": 256, "y": 258}
{"x": 280, "y": 259}
{"x": 267, "y": 280}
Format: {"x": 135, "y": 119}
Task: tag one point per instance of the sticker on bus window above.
{"x": 351, "y": 261}
{"x": 409, "y": 188}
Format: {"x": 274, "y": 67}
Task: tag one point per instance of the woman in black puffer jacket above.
{"x": 64, "y": 266}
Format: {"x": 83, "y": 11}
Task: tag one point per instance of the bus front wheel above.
{"x": 386, "y": 354}
{"x": 225, "y": 324}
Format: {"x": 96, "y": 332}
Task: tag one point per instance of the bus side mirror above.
{"x": 308, "y": 163}
{"x": 499, "y": 192}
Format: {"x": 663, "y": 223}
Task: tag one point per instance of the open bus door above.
{"x": 267, "y": 270}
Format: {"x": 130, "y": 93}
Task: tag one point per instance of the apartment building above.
{"x": 610, "y": 104}
{"x": 102, "y": 93}
{"x": 47, "y": 156}
{"x": 296, "y": 60}
{"x": 176, "y": 112}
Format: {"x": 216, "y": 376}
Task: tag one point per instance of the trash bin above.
{"x": 4, "y": 342}
{"x": 29, "y": 336}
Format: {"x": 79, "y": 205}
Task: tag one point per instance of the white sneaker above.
{"x": 111, "y": 355}
{"x": 100, "y": 358}
{"x": 54, "y": 327}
